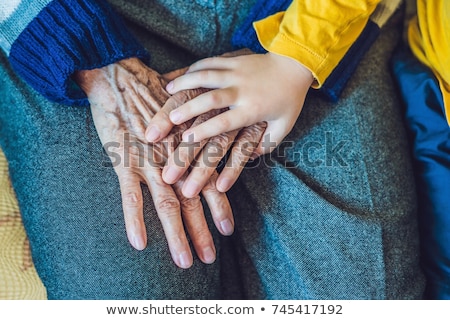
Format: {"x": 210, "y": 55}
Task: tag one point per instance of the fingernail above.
{"x": 227, "y": 227}
{"x": 185, "y": 260}
{"x": 209, "y": 256}
{"x": 224, "y": 184}
{"x": 175, "y": 116}
{"x": 138, "y": 242}
{"x": 169, "y": 86}
{"x": 152, "y": 133}
{"x": 191, "y": 189}
{"x": 171, "y": 175}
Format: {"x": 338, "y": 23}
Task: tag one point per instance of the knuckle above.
{"x": 167, "y": 204}
{"x": 220, "y": 141}
{"x": 132, "y": 199}
{"x": 238, "y": 160}
{"x": 190, "y": 205}
{"x": 179, "y": 97}
{"x": 215, "y": 97}
{"x": 261, "y": 126}
{"x": 249, "y": 135}
{"x": 233, "y": 94}
{"x": 252, "y": 133}
{"x": 200, "y": 234}
{"x": 214, "y": 148}
{"x": 210, "y": 185}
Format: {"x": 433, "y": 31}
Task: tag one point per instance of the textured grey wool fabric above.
{"x": 330, "y": 215}
{"x": 336, "y": 205}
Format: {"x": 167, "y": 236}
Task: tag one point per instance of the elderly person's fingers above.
{"x": 181, "y": 159}
{"x": 243, "y": 150}
{"x": 168, "y": 207}
{"x": 132, "y": 205}
{"x": 196, "y": 226}
{"x": 160, "y": 125}
{"x": 206, "y": 162}
{"x": 219, "y": 206}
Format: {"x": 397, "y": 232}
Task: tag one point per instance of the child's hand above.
{"x": 258, "y": 87}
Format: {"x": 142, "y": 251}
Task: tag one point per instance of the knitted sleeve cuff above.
{"x": 341, "y": 74}
{"x": 245, "y": 35}
{"x": 66, "y": 36}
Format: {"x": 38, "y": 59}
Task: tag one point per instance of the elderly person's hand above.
{"x": 124, "y": 97}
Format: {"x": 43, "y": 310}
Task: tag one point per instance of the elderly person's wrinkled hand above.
{"x": 124, "y": 97}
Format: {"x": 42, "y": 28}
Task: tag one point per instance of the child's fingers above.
{"x": 227, "y": 121}
{"x": 160, "y": 125}
{"x": 180, "y": 160}
{"x": 183, "y": 156}
{"x": 215, "y": 99}
{"x": 206, "y": 163}
{"x": 169, "y": 76}
{"x": 209, "y": 79}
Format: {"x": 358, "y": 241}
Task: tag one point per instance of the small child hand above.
{"x": 258, "y": 87}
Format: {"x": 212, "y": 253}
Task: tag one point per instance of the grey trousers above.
{"x": 331, "y": 214}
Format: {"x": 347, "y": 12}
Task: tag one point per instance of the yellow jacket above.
{"x": 318, "y": 33}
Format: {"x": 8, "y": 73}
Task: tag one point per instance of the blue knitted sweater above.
{"x": 70, "y": 35}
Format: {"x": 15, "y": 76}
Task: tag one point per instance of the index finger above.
{"x": 180, "y": 160}
{"x": 160, "y": 125}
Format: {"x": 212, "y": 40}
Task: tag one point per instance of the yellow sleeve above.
{"x": 316, "y": 33}
{"x": 429, "y": 39}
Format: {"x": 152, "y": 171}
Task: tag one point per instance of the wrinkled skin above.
{"x": 124, "y": 97}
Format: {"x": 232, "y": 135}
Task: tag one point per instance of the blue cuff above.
{"x": 67, "y": 36}
{"x": 245, "y": 35}
{"x": 336, "y": 81}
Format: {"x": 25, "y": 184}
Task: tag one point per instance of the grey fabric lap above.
{"x": 70, "y": 198}
{"x": 332, "y": 213}
{"x": 70, "y": 201}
